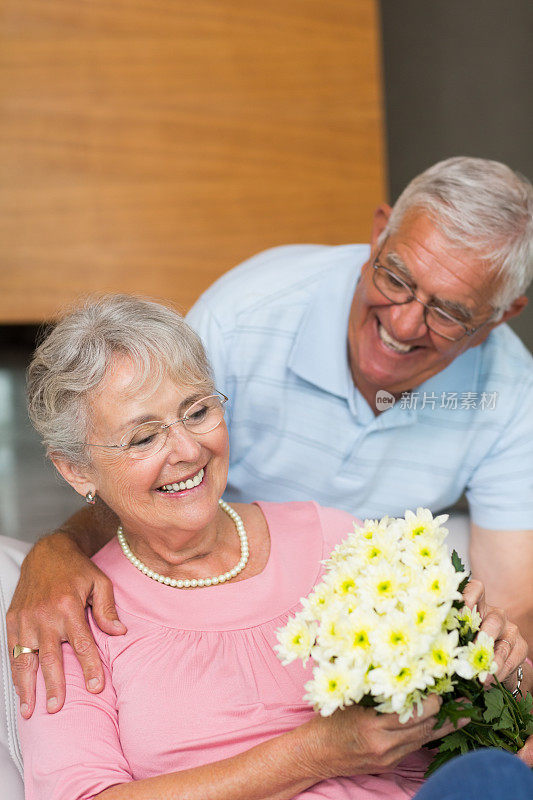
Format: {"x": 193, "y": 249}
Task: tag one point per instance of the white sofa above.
{"x": 12, "y": 553}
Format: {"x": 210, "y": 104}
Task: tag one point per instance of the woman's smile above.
{"x": 179, "y": 486}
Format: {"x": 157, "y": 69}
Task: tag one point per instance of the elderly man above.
{"x": 373, "y": 379}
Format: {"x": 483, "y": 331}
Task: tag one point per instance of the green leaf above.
{"x": 456, "y": 562}
{"x": 494, "y": 705}
{"x": 467, "y": 637}
{"x": 454, "y": 741}
{"x": 506, "y": 722}
{"x": 525, "y": 706}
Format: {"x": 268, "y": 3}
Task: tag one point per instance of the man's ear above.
{"x": 379, "y": 223}
{"x": 79, "y": 477}
{"x": 516, "y": 308}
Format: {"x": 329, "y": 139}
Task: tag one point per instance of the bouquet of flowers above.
{"x": 387, "y": 626}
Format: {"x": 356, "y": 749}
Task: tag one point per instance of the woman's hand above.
{"x": 510, "y": 648}
{"x": 358, "y": 740}
{"x": 48, "y": 607}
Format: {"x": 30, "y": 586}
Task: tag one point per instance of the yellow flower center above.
{"x": 403, "y": 675}
{"x": 360, "y": 639}
{"x": 397, "y": 637}
{"x": 347, "y": 585}
{"x": 481, "y": 659}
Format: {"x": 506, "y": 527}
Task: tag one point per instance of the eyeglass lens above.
{"x": 395, "y": 290}
{"x": 147, "y": 439}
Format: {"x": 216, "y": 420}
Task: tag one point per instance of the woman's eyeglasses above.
{"x": 149, "y": 438}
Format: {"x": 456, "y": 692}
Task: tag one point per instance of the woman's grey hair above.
{"x": 481, "y": 206}
{"x": 71, "y": 362}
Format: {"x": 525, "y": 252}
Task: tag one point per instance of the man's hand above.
{"x": 510, "y": 647}
{"x": 48, "y": 607}
{"x": 526, "y": 753}
{"x": 503, "y": 560}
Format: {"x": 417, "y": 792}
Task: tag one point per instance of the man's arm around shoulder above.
{"x": 57, "y": 582}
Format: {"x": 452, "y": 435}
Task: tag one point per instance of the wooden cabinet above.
{"x": 150, "y": 145}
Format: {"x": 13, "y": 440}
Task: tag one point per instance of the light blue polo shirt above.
{"x": 275, "y": 329}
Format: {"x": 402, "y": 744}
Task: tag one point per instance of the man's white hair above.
{"x": 482, "y": 207}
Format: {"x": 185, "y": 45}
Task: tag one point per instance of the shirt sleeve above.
{"x": 204, "y": 322}
{"x": 500, "y": 490}
{"x": 76, "y": 753}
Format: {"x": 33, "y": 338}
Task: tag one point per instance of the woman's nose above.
{"x": 408, "y": 320}
{"x": 181, "y": 443}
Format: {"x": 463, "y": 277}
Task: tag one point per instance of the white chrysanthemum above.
{"x": 343, "y": 550}
{"x": 423, "y": 523}
{"x": 330, "y": 633}
{"x": 330, "y": 687}
{"x": 345, "y": 579}
{"x": 440, "y": 660}
{"x": 427, "y": 617}
{"x": 295, "y": 640}
{"x": 396, "y": 638}
{"x": 423, "y": 551}
{"x": 380, "y": 547}
{"x": 357, "y": 632}
{"x": 317, "y": 602}
{"x": 439, "y": 583}
{"x": 413, "y": 702}
{"x": 348, "y": 605}
{"x": 452, "y": 619}
{"x": 469, "y": 620}
{"x": 442, "y": 685}
{"x": 477, "y": 658}
{"x": 371, "y": 528}
{"x": 383, "y": 585}
{"x": 397, "y": 681}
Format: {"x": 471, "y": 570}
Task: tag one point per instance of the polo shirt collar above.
{"x": 319, "y": 354}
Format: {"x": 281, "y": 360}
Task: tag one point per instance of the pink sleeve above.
{"x": 336, "y": 525}
{"x": 76, "y": 753}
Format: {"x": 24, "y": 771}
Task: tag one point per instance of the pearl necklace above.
{"x": 195, "y": 582}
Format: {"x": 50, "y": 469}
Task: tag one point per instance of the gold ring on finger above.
{"x": 19, "y": 649}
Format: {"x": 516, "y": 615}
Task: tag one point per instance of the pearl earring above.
{"x": 90, "y": 497}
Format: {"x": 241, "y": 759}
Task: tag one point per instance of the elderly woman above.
{"x": 196, "y": 703}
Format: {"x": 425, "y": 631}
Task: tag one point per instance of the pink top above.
{"x": 196, "y": 678}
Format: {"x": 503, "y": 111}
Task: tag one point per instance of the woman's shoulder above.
{"x": 108, "y": 557}
{"x": 303, "y": 520}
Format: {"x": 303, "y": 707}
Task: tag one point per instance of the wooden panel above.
{"x": 149, "y": 145}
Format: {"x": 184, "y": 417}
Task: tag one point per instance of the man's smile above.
{"x": 393, "y": 344}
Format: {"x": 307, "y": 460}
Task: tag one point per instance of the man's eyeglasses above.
{"x": 149, "y": 438}
{"x": 400, "y": 293}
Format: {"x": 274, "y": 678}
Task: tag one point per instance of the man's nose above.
{"x": 408, "y": 320}
{"x": 181, "y": 443}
